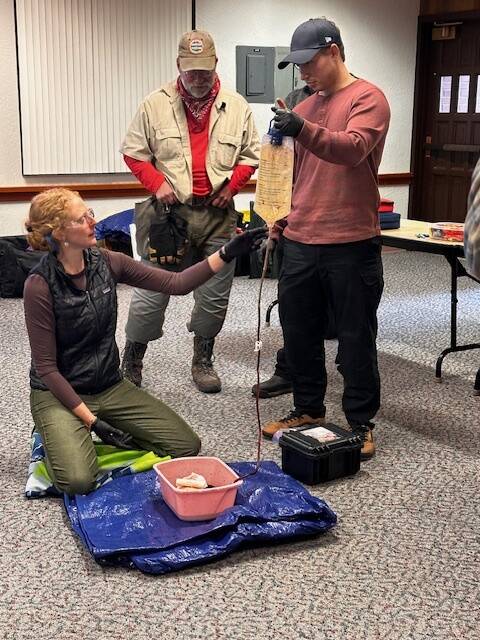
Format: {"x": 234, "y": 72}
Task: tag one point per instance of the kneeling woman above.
{"x": 71, "y": 316}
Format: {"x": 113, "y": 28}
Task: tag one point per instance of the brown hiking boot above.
{"x": 203, "y": 373}
{"x": 294, "y": 419}
{"x": 368, "y": 447}
{"x": 132, "y": 363}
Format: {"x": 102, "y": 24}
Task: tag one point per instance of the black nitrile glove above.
{"x": 287, "y": 122}
{"x": 245, "y": 242}
{"x": 110, "y": 435}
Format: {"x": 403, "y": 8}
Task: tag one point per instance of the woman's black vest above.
{"x": 85, "y": 323}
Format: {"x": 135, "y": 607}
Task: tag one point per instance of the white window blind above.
{"x": 84, "y": 66}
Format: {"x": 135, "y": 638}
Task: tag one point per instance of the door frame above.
{"x": 420, "y": 100}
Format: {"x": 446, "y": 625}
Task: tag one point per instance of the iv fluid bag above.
{"x": 273, "y": 195}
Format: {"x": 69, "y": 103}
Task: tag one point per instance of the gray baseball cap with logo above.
{"x": 308, "y": 38}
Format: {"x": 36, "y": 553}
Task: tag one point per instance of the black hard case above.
{"x": 311, "y": 461}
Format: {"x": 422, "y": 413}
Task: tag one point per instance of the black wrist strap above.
{"x": 223, "y": 255}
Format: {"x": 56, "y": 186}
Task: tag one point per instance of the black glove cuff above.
{"x": 223, "y": 255}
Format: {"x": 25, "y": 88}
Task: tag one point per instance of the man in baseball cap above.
{"x": 332, "y": 251}
{"x": 308, "y": 38}
{"x": 193, "y": 145}
{"x": 196, "y": 51}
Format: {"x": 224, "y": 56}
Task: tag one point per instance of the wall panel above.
{"x": 84, "y": 67}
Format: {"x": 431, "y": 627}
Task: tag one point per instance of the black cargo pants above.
{"x": 350, "y": 275}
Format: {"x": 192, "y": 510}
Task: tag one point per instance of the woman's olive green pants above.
{"x": 70, "y": 454}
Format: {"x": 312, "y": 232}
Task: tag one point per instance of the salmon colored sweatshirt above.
{"x": 337, "y": 154}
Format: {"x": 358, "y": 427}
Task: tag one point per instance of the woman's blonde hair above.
{"x": 48, "y": 213}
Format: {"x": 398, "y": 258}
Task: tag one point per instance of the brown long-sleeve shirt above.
{"x": 40, "y": 317}
{"x": 338, "y": 152}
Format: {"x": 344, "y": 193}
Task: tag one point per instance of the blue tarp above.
{"x": 127, "y": 523}
{"x": 114, "y": 224}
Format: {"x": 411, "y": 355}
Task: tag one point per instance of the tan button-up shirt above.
{"x": 158, "y": 133}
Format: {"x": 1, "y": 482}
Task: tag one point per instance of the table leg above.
{"x": 456, "y": 271}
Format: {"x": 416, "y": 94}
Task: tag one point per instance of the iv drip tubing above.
{"x": 269, "y": 246}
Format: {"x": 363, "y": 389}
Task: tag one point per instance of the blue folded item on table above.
{"x": 127, "y": 523}
{"x": 389, "y": 220}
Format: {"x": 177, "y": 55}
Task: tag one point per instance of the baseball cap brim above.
{"x": 301, "y": 56}
{"x": 197, "y": 64}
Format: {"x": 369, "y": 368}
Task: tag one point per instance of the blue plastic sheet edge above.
{"x": 126, "y": 523}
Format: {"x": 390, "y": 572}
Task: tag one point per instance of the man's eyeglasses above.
{"x": 87, "y": 217}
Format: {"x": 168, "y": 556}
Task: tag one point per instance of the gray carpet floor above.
{"x": 403, "y": 561}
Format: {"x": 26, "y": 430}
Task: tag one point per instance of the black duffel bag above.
{"x": 16, "y": 260}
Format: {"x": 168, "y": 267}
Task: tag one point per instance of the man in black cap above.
{"x": 280, "y": 382}
{"x": 331, "y": 243}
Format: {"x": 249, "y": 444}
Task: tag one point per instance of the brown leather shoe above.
{"x": 368, "y": 447}
{"x": 294, "y": 419}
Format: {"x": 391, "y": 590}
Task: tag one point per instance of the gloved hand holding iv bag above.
{"x": 287, "y": 122}
{"x": 273, "y": 195}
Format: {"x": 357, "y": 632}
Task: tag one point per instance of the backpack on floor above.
{"x": 16, "y": 260}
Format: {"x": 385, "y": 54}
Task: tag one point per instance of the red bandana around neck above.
{"x": 198, "y": 108}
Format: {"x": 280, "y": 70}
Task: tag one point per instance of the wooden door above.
{"x": 448, "y": 130}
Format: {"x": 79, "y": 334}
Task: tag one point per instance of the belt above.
{"x": 200, "y": 201}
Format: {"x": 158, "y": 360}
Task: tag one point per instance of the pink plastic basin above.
{"x": 199, "y": 504}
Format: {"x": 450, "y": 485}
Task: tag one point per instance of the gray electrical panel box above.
{"x": 258, "y": 77}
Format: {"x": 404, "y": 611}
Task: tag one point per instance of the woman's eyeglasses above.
{"x": 87, "y": 217}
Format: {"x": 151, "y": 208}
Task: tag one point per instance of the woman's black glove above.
{"x": 243, "y": 243}
{"x": 110, "y": 435}
{"x": 287, "y": 122}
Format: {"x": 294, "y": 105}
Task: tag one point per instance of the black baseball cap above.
{"x": 308, "y": 38}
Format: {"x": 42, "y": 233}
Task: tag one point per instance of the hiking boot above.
{"x": 132, "y": 363}
{"x": 274, "y": 386}
{"x": 368, "y": 447}
{"x": 203, "y": 373}
{"x": 294, "y": 419}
